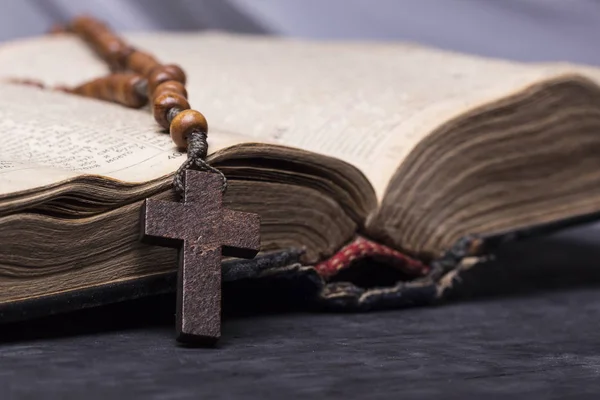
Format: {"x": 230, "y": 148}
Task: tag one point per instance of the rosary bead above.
{"x": 106, "y": 44}
{"x": 125, "y": 92}
{"x": 141, "y": 62}
{"x": 176, "y": 71}
{"x": 162, "y": 74}
{"x": 166, "y": 102}
{"x": 170, "y": 87}
{"x": 113, "y": 50}
{"x": 165, "y": 84}
{"x": 86, "y": 26}
{"x": 184, "y": 124}
{"x": 118, "y": 88}
{"x": 106, "y": 88}
{"x": 89, "y": 89}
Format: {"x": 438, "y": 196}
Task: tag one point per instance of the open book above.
{"x": 414, "y": 148}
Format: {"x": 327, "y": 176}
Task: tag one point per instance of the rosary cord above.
{"x": 196, "y": 156}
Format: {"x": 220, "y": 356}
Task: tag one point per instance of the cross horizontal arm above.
{"x": 241, "y": 234}
{"x": 161, "y": 222}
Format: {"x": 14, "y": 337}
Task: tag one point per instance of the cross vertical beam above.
{"x": 203, "y": 231}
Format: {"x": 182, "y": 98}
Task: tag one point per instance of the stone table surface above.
{"x": 540, "y": 346}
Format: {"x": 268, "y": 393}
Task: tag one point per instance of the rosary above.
{"x": 199, "y": 226}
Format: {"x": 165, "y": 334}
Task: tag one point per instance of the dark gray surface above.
{"x": 543, "y": 346}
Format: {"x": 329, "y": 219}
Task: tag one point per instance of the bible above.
{"x": 403, "y": 163}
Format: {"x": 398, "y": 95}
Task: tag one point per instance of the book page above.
{"x": 47, "y": 137}
{"x": 368, "y": 104}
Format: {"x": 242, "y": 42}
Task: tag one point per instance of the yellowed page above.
{"x": 368, "y": 104}
{"x": 46, "y": 137}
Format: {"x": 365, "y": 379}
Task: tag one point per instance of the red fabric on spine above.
{"x": 361, "y": 248}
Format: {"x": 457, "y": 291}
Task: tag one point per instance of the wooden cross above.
{"x": 203, "y": 230}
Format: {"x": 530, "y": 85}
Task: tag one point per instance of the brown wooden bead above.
{"x": 184, "y": 124}
{"x": 162, "y": 74}
{"x": 96, "y": 89}
{"x": 170, "y": 87}
{"x": 89, "y": 29}
{"x": 141, "y": 62}
{"x": 125, "y": 92}
{"x": 176, "y": 71}
{"x": 106, "y": 89}
{"x": 112, "y": 49}
{"x": 119, "y": 88}
{"x": 85, "y": 26}
{"x": 166, "y": 102}
{"x": 104, "y": 42}
{"x": 89, "y": 89}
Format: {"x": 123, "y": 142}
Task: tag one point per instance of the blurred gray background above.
{"x": 517, "y": 29}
